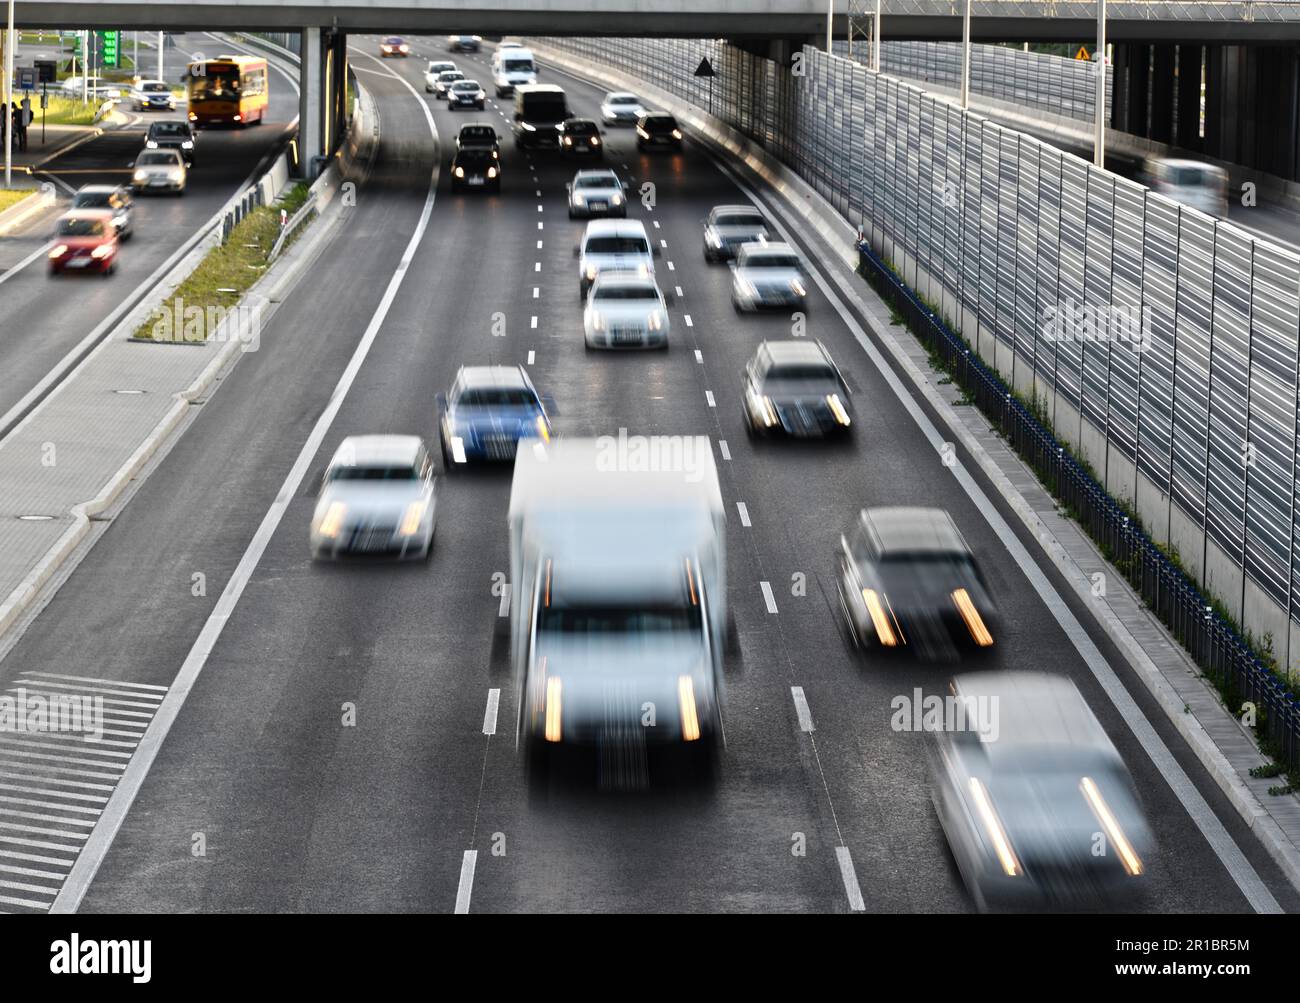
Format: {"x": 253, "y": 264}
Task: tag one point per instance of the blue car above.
{"x": 488, "y": 410}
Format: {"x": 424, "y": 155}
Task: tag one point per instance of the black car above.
{"x": 479, "y": 136}
{"x": 658, "y": 130}
{"x": 178, "y": 136}
{"x": 475, "y": 168}
{"x": 466, "y": 94}
{"x": 580, "y": 138}
{"x": 793, "y": 387}
{"x": 464, "y": 43}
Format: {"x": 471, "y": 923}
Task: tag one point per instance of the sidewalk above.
{"x": 1218, "y": 740}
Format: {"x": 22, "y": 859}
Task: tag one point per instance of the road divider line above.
{"x": 708, "y": 396}
{"x": 850, "y": 879}
{"x": 743, "y": 509}
{"x": 490, "y": 713}
{"x": 723, "y": 449}
{"x": 801, "y": 708}
{"x": 97, "y": 847}
{"x": 699, "y": 356}
{"x": 532, "y": 356}
{"x": 466, "y": 886}
{"x": 503, "y": 607}
{"x": 532, "y": 323}
{"x": 769, "y": 600}
{"x": 689, "y": 322}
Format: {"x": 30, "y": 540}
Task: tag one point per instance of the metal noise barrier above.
{"x": 1216, "y": 648}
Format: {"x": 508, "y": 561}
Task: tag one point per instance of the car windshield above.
{"x": 657, "y": 123}
{"x": 464, "y": 85}
{"x": 440, "y": 67}
{"x": 157, "y": 157}
{"x": 89, "y": 200}
{"x": 221, "y": 83}
{"x": 169, "y": 129}
{"x": 771, "y": 261}
{"x": 597, "y": 181}
{"x": 393, "y": 41}
{"x": 617, "y": 245}
{"x": 496, "y": 397}
{"x": 474, "y": 158}
{"x": 625, "y": 292}
{"x": 81, "y": 227}
{"x": 746, "y": 219}
{"x": 154, "y": 87}
{"x": 478, "y": 135}
{"x": 617, "y": 619}
{"x": 517, "y": 65}
{"x": 1192, "y": 177}
{"x": 622, "y": 99}
{"x": 580, "y": 128}
{"x": 800, "y": 371}
{"x": 374, "y": 473}
{"x": 447, "y": 76}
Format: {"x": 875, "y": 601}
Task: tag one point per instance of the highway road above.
{"x": 47, "y": 317}
{"x": 330, "y": 753}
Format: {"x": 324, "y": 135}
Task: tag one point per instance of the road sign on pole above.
{"x": 109, "y": 40}
{"x": 1082, "y": 54}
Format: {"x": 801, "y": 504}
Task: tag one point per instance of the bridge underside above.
{"x": 611, "y": 22}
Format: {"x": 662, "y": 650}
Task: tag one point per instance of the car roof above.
{"x": 379, "y": 450}
{"x": 727, "y": 210}
{"x": 479, "y": 377}
{"x": 577, "y": 120}
{"x": 98, "y": 214}
{"x": 478, "y": 125}
{"x": 100, "y": 189}
{"x": 539, "y": 89}
{"x": 659, "y": 114}
{"x": 443, "y": 73}
{"x": 599, "y": 172}
{"x": 1035, "y": 709}
{"x": 616, "y": 228}
{"x": 757, "y": 250}
{"x": 626, "y": 277}
{"x": 790, "y": 352}
{"x": 468, "y": 80}
{"x": 913, "y": 529}
{"x": 620, "y": 94}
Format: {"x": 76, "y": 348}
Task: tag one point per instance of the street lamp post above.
{"x": 1099, "y": 132}
{"x": 875, "y": 38}
{"x": 160, "y": 57}
{"x": 10, "y": 41}
{"x": 965, "y": 56}
{"x": 830, "y": 20}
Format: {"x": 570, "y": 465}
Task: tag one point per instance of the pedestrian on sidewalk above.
{"x": 24, "y": 122}
{"x": 15, "y": 121}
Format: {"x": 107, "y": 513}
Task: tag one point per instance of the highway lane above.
{"x": 44, "y": 316}
{"x": 304, "y": 813}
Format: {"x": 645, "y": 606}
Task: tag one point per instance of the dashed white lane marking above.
{"x": 532, "y": 323}
{"x": 539, "y": 208}
{"x": 466, "y": 886}
{"x": 680, "y": 294}
{"x": 490, "y": 713}
{"x": 672, "y": 267}
{"x": 801, "y": 709}
{"x": 539, "y": 245}
{"x": 128, "y": 786}
{"x": 663, "y": 244}
{"x": 656, "y": 222}
{"x": 539, "y": 224}
{"x": 537, "y": 291}
{"x": 532, "y": 357}
{"x": 708, "y": 396}
{"x": 850, "y": 879}
{"x": 537, "y": 266}
{"x": 503, "y": 608}
{"x": 722, "y": 448}
{"x": 534, "y": 179}
{"x": 743, "y": 509}
{"x": 699, "y": 356}
{"x": 689, "y": 322}
{"x": 769, "y": 599}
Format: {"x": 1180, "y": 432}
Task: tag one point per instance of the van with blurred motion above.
{"x": 1191, "y": 183}
{"x": 618, "y": 613}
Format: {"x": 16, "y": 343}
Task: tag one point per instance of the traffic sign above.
{"x": 705, "y": 69}
{"x": 26, "y": 78}
{"x": 46, "y": 71}
{"x": 1083, "y": 53}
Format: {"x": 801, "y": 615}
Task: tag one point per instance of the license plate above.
{"x": 157, "y": 182}
{"x": 598, "y": 206}
{"x": 475, "y": 181}
{"x": 77, "y": 263}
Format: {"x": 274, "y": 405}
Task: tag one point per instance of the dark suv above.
{"x": 178, "y": 136}
{"x": 658, "y": 130}
{"x": 580, "y": 138}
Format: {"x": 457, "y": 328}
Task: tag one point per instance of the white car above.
{"x": 152, "y": 95}
{"x": 444, "y": 81}
{"x": 596, "y": 193}
{"x": 621, "y": 108}
{"x": 1190, "y": 182}
{"x": 767, "y": 276}
{"x": 377, "y": 496}
{"x": 625, "y": 310}
{"x": 431, "y": 73}
{"x": 613, "y": 245}
{"x": 159, "y": 171}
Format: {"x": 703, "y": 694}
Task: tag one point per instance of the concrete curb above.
{"x": 41, "y": 199}
{"x": 813, "y": 210}
{"x": 289, "y": 270}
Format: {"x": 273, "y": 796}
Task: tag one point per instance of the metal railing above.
{"x": 304, "y": 213}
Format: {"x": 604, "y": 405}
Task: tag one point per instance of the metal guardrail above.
{"x": 304, "y": 213}
{"x": 236, "y": 211}
{"x": 1213, "y": 644}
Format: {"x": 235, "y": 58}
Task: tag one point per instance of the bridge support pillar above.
{"x": 1187, "y": 128}
{"x": 1162, "y": 93}
{"x": 311, "y": 139}
{"x": 1119, "y": 93}
{"x": 1138, "y": 89}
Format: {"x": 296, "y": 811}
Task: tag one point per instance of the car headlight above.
{"x": 187, "y": 145}
{"x": 412, "y": 519}
{"x": 993, "y": 826}
{"x": 568, "y": 140}
{"x": 460, "y": 172}
{"x": 579, "y": 198}
{"x": 492, "y": 172}
{"x": 151, "y": 144}
{"x": 971, "y": 617}
{"x": 119, "y": 219}
{"x": 677, "y": 134}
{"x": 543, "y": 429}
{"x": 797, "y": 287}
{"x": 595, "y": 140}
{"x": 597, "y": 321}
{"x": 528, "y": 126}
{"x": 655, "y": 321}
{"x": 58, "y": 252}
{"x": 712, "y": 238}
{"x": 838, "y": 410}
{"x": 591, "y": 273}
{"x": 175, "y": 173}
{"x": 457, "y": 449}
{"x": 332, "y": 524}
{"x": 141, "y": 175}
{"x": 559, "y": 127}
{"x": 764, "y": 407}
{"x": 879, "y": 618}
{"x": 102, "y": 251}
{"x": 642, "y": 133}
{"x": 616, "y": 200}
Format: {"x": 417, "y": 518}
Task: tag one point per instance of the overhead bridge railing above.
{"x": 1158, "y": 343}
{"x": 1139, "y": 10}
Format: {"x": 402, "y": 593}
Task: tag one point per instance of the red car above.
{"x": 85, "y": 240}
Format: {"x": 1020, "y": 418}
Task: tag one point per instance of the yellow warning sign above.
{"x": 1083, "y": 54}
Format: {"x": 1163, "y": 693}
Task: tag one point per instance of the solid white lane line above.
{"x": 743, "y": 509}
{"x": 1229, "y": 853}
{"x": 466, "y": 886}
{"x": 42, "y": 250}
{"x": 769, "y": 600}
{"x": 722, "y": 448}
{"x": 708, "y": 396}
{"x": 490, "y": 713}
{"x": 503, "y": 607}
{"x": 850, "y": 879}
{"x": 83, "y": 871}
{"x": 802, "y": 710}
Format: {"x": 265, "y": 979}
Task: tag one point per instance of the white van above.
{"x": 512, "y": 68}
{"x": 1190, "y": 182}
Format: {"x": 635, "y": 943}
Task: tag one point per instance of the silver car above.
{"x": 767, "y": 277}
{"x": 377, "y": 497}
{"x": 1037, "y": 805}
{"x": 432, "y": 71}
{"x": 596, "y": 193}
{"x": 621, "y": 108}
{"x": 152, "y": 95}
{"x": 729, "y": 227}
{"x": 444, "y": 80}
{"x": 613, "y": 245}
{"x": 159, "y": 171}
{"x": 1190, "y": 182}
{"x": 625, "y": 310}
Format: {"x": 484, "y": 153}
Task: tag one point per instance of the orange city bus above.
{"x": 229, "y": 89}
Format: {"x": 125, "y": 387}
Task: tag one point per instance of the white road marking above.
{"x": 43, "y": 249}
{"x": 537, "y": 266}
{"x": 663, "y": 244}
{"x": 91, "y": 679}
{"x": 466, "y": 886}
{"x": 656, "y": 222}
{"x": 699, "y": 356}
{"x": 539, "y": 245}
{"x": 689, "y": 322}
{"x": 532, "y": 357}
{"x": 490, "y": 714}
{"x": 708, "y": 396}
{"x": 537, "y": 291}
{"x": 801, "y": 709}
{"x": 539, "y": 224}
{"x": 532, "y": 323}
{"x": 722, "y": 448}
{"x": 743, "y": 509}
{"x": 539, "y": 193}
{"x": 850, "y": 879}
{"x": 503, "y": 608}
{"x": 769, "y": 600}
{"x": 539, "y": 208}
{"x": 1229, "y": 853}
{"x": 97, "y": 847}
{"x": 672, "y": 267}
{"x": 680, "y": 294}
